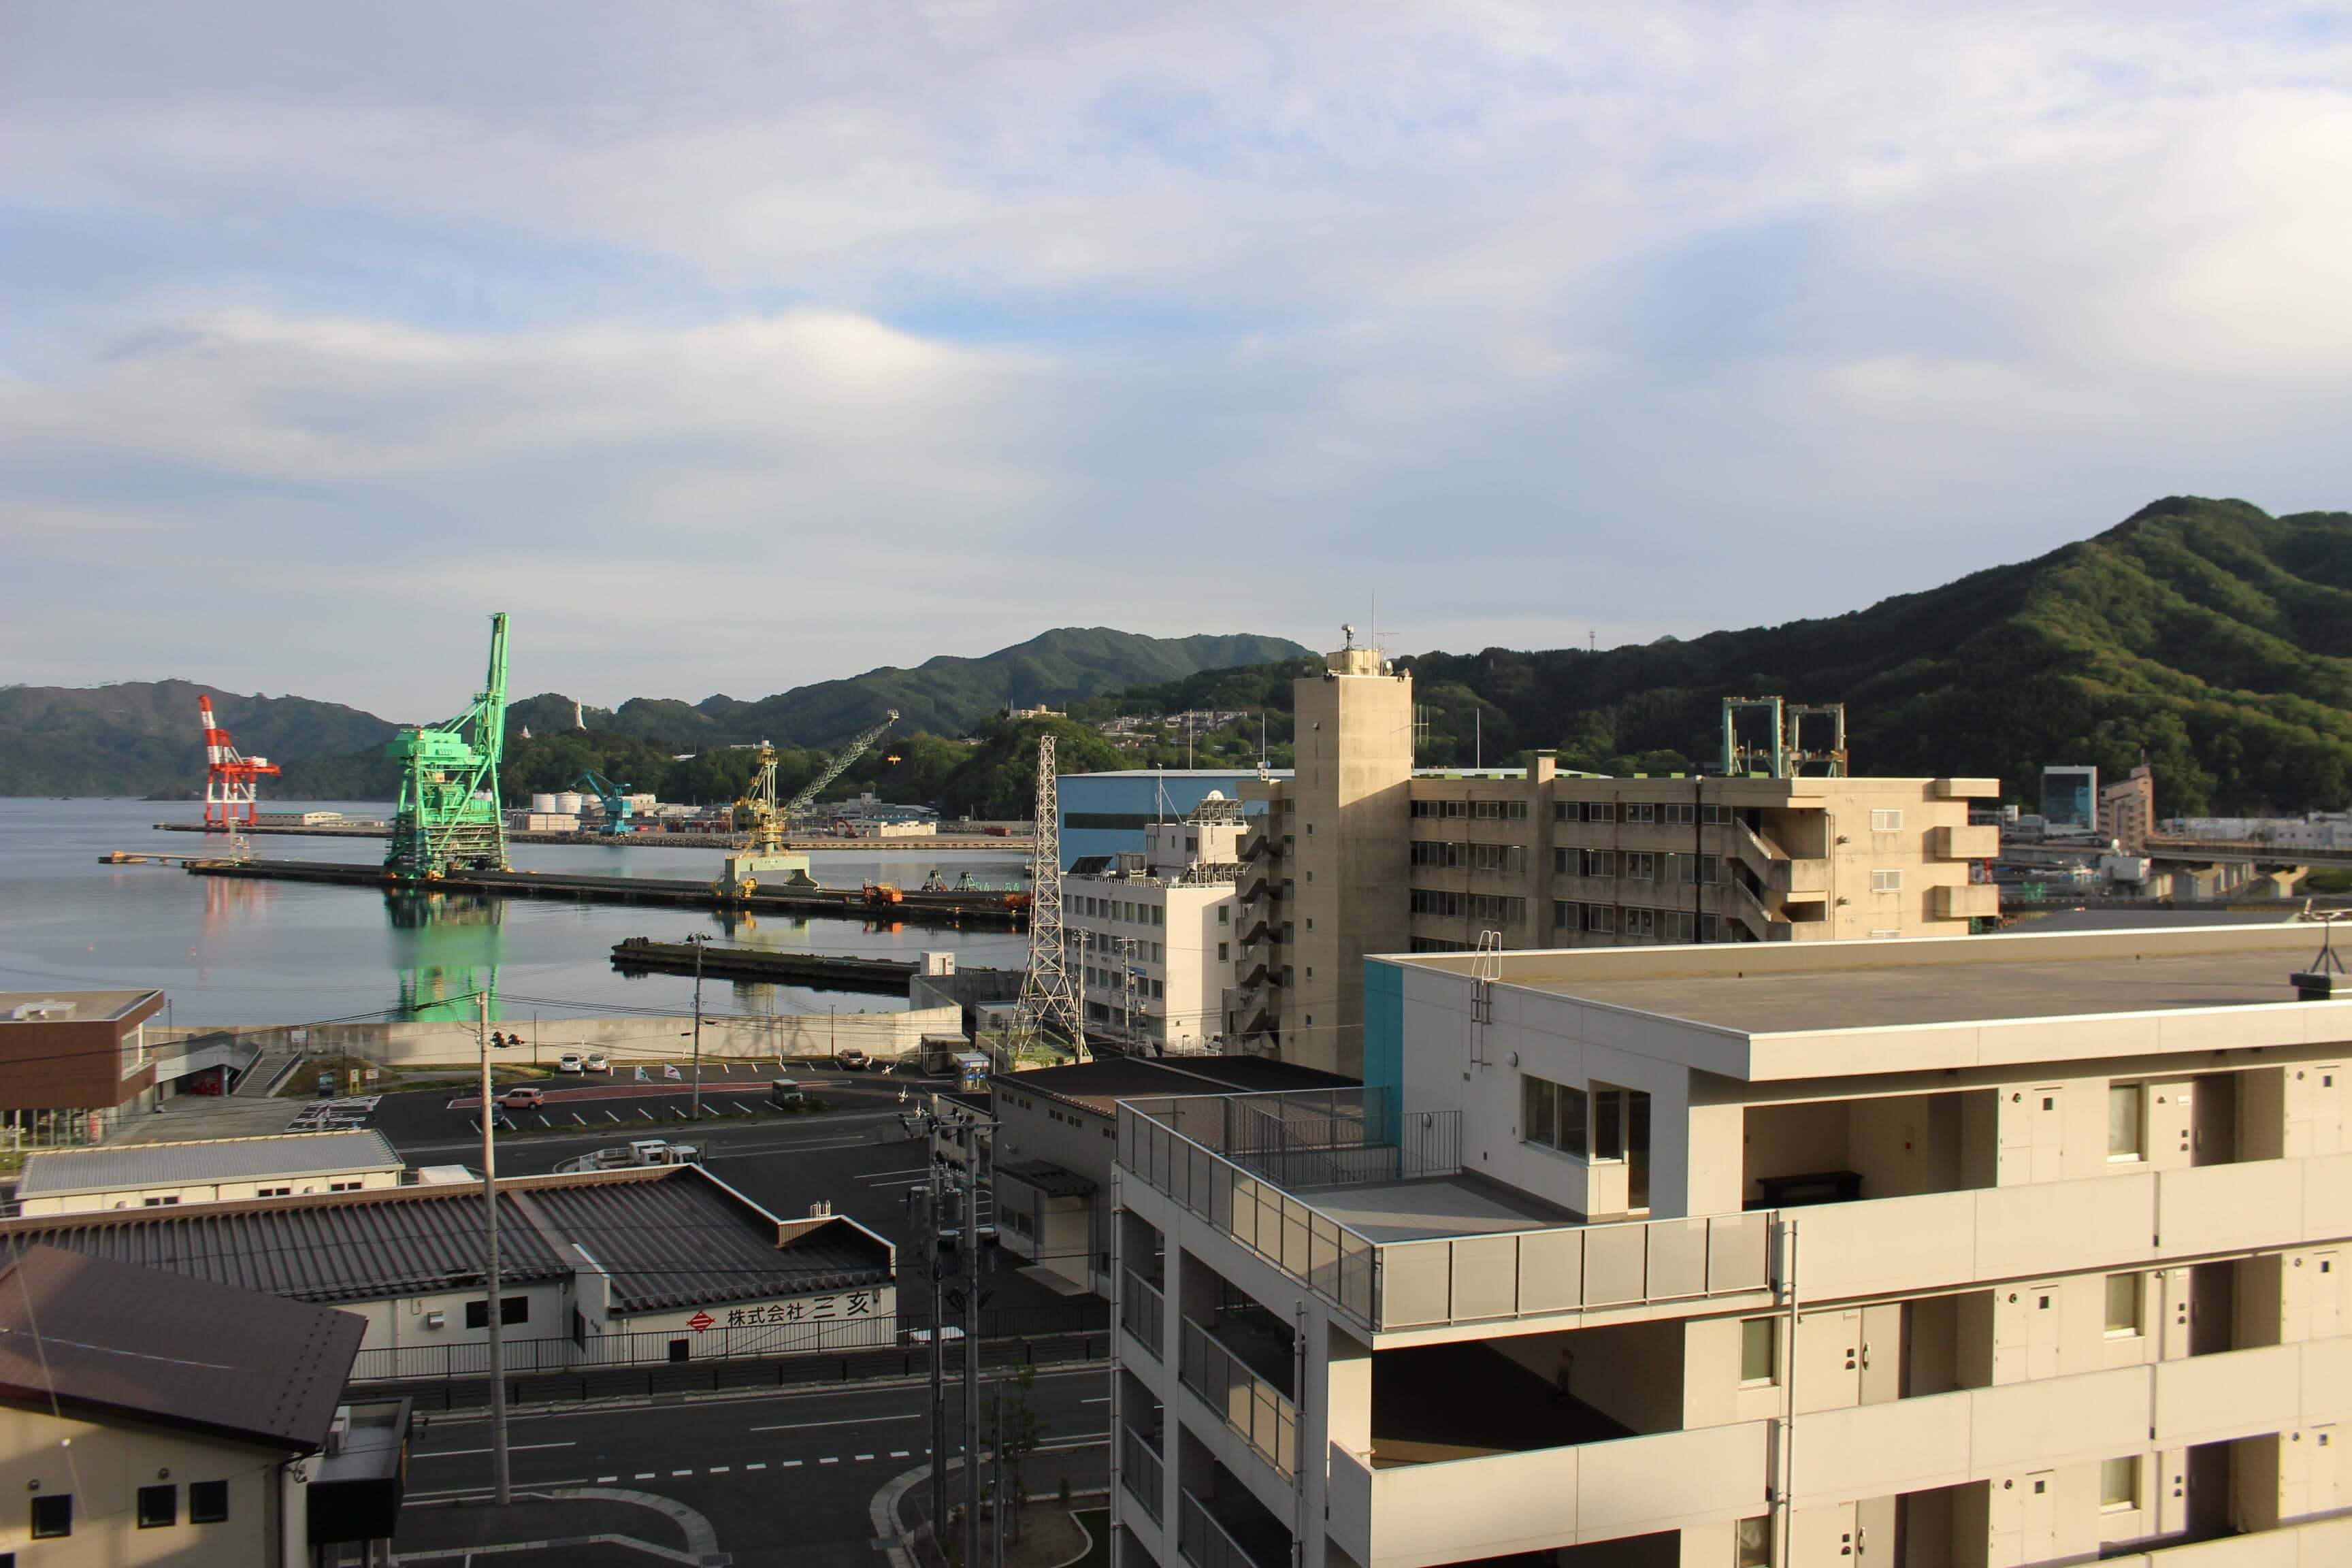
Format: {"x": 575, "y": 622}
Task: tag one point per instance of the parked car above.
{"x": 784, "y": 1092}
{"x": 850, "y": 1059}
{"x": 570, "y": 1061}
{"x": 523, "y": 1098}
{"x": 597, "y": 1061}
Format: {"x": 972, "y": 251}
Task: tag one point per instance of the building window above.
{"x": 511, "y": 1310}
{"x": 1886, "y": 821}
{"x": 1607, "y": 1123}
{"x": 2123, "y": 1305}
{"x": 1888, "y": 881}
{"x": 163, "y": 1203}
{"x": 207, "y": 1502}
{"x": 1641, "y": 866}
{"x": 1596, "y": 863}
{"x": 1553, "y": 1114}
{"x": 1752, "y": 1544}
{"x": 159, "y": 1506}
{"x": 1640, "y": 812}
{"x": 273, "y": 1192}
{"x": 2118, "y": 1485}
{"x": 53, "y": 1515}
{"x": 1759, "y": 1351}
{"x": 1567, "y": 916}
{"x": 1224, "y": 914}
{"x": 1600, "y": 918}
{"x": 2123, "y": 1121}
{"x": 1224, "y": 952}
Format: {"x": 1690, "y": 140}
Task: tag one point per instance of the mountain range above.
{"x": 2206, "y": 636}
{"x": 141, "y": 737}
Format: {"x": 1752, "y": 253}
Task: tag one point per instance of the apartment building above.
{"x": 1358, "y": 853}
{"x": 1942, "y": 1253}
{"x": 1152, "y": 933}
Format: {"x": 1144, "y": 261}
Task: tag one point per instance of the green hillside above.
{"x": 2210, "y": 636}
{"x": 142, "y": 738}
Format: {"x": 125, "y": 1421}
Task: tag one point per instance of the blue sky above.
{"x": 730, "y": 347}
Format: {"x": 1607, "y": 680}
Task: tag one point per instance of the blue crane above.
{"x": 614, "y": 796}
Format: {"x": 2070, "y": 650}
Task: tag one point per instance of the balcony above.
{"x": 1371, "y": 1211}
{"x": 1210, "y": 1533}
{"x": 1260, "y": 1412}
{"x": 1141, "y": 1470}
{"x": 1142, "y": 1311}
{"x": 1983, "y": 843}
{"x": 1973, "y": 900}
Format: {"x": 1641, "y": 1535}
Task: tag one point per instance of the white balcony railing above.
{"x": 1260, "y": 1413}
{"x": 1205, "y": 1543}
{"x": 1142, "y": 1311}
{"x": 1141, "y": 1471}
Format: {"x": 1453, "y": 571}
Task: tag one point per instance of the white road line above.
{"x": 761, "y": 1465}
{"x": 717, "y": 1470}
{"x": 511, "y": 1448}
{"x": 910, "y": 1170}
{"x": 864, "y": 1458}
{"x": 673, "y": 1473}
{"x": 899, "y": 1454}
{"x": 580, "y": 1119}
{"x": 642, "y": 1475}
{"x": 606, "y": 1480}
{"x": 641, "y": 1111}
{"x": 785, "y": 1465}
{"x": 485, "y": 1491}
{"x": 608, "y": 1114}
{"x": 829, "y": 1459}
{"x": 1103, "y": 1399}
{"x": 846, "y": 1421}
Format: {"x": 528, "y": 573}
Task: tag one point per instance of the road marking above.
{"x": 1102, "y": 1399}
{"x": 847, "y": 1421}
{"x": 829, "y": 1459}
{"x": 580, "y": 1119}
{"x": 614, "y": 1117}
{"x": 882, "y": 1176}
{"x": 606, "y": 1480}
{"x": 643, "y": 1112}
{"x": 788, "y": 1464}
{"x": 544, "y": 1121}
{"x": 511, "y": 1448}
{"x": 743, "y": 1107}
{"x": 760, "y": 1466}
{"x": 863, "y": 1458}
{"x": 899, "y": 1454}
{"x": 717, "y": 1470}
{"x": 642, "y": 1475}
{"x": 681, "y": 1472}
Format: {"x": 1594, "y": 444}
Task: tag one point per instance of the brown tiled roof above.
{"x": 103, "y": 1337}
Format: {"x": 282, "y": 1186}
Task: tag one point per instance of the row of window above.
{"x": 1640, "y": 866}
{"x": 1112, "y": 980}
{"x": 1626, "y": 919}
{"x": 1145, "y": 952}
{"x": 1590, "y": 1125}
{"x": 159, "y": 1508}
{"x": 1509, "y": 911}
{"x": 1127, "y": 910}
{"x": 1473, "y": 810}
{"x": 1505, "y": 860}
{"x": 1642, "y": 813}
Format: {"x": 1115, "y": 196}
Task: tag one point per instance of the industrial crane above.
{"x": 229, "y": 793}
{"x": 614, "y": 797}
{"x": 449, "y": 818}
{"x": 763, "y": 846}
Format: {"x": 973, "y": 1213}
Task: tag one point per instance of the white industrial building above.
{"x": 1942, "y": 1253}
{"x": 212, "y": 1169}
{"x": 1152, "y": 934}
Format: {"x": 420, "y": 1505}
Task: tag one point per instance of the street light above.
{"x": 697, "y": 939}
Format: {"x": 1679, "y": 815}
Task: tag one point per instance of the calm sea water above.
{"x": 279, "y": 952}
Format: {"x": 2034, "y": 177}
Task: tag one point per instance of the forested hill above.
{"x": 141, "y": 737}
{"x": 2210, "y": 635}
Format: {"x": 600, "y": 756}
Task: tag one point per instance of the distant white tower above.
{"x": 1048, "y": 1000}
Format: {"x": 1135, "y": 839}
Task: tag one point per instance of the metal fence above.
{"x": 1140, "y": 1468}
{"x": 1140, "y": 1310}
{"x": 1206, "y": 1544}
{"x": 1263, "y": 1415}
{"x": 1319, "y": 1137}
{"x": 659, "y": 1347}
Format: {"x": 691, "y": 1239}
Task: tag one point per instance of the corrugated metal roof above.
{"x": 62, "y": 1172}
{"x": 1054, "y": 1181}
{"x": 100, "y": 1337}
{"x": 351, "y": 1246}
{"x": 688, "y": 1239}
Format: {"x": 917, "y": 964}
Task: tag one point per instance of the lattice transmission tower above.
{"x": 1048, "y": 1003}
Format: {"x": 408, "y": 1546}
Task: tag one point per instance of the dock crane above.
{"x": 616, "y": 799}
{"x": 449, "y": 818}
{"x": 763, "y": 844}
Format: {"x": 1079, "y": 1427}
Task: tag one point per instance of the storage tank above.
{"x": 543, "y": 804}
{"x": 569, "y": 802}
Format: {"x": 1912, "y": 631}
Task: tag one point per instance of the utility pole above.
{"x": 698, "y": 939}
{"x": 939, "y": 1341}
{"x": 972, "y": 1265}
{"x": 500, "y": 1490}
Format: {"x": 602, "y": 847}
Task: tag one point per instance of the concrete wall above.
{"x": 881, "y": 1034}
{"x": 102, "y": 1471}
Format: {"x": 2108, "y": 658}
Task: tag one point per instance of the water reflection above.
{"x": 445, "y": 948}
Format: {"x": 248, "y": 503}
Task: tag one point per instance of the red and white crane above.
{"x": 229, "y": 793}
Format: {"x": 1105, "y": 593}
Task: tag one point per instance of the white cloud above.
{"x": 750, "y": 330}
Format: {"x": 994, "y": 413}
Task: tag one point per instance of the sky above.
{"x": 729, "y": 347}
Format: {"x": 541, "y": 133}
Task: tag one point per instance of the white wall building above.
{"x": 1151, "y": 935}
{"x": 1944, "y": 1253}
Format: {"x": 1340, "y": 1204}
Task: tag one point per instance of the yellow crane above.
{"x": 764, "y": 843}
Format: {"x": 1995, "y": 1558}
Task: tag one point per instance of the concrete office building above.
{"x": 73, "y": 1062}
{"x": 1152, "y": 933}
{"x": 2128, "y": 810}
{"x": 1106, "y": 814}
{"x": 1949, "y": 1253}
{"x": 1358, "y": 853}
{"x": 2070, "y": 799}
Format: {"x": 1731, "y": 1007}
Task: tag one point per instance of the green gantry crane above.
{"x": 449, "y": 817}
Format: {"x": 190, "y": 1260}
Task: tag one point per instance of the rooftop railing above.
{"x": 1232, "y": 1159}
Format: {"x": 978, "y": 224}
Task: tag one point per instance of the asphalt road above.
{"x": 783, "y": 1480}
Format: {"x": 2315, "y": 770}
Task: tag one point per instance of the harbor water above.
{"x": 234, "y": 952}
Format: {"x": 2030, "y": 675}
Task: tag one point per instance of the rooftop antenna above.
{"x": 1592, "y": 639}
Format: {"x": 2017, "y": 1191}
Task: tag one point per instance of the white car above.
{"x": 570, "y": 1061}
{"x": 597, "y": 1061}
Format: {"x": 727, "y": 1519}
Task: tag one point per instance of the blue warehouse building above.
{"x": 1106, "y": 814}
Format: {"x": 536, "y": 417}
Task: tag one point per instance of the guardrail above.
{"x": 1260, "y": 1413}
{"x": 1140, "y": 1468}
{"x": 1205, "y": 1543}
{"x": 1142, "y": 1311}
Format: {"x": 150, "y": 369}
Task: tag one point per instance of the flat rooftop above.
{"x": 1432, "y": 1207}
{"x": 1779, "y": 988}
{"x": 61, "y": 1173}
{"x": 73, "y": 1006}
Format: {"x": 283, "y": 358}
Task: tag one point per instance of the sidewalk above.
{"x": 905, "y": 1505}
{"x": 591, "y": 1526}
